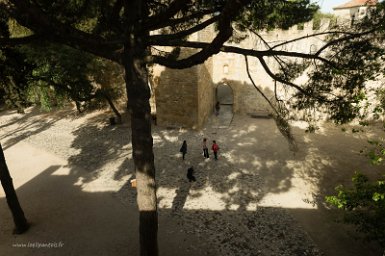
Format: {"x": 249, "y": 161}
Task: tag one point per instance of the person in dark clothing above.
{"x": 217, "y": 108}
{"x": 205, "y": 148}
{"x": 183, "y": 149}
{"x": 190, "y": 174}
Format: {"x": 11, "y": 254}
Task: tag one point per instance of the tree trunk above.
{"x": 138, "y": 94}
{"x": 78, "y": 107}
{"x": 112, "y": 106}
{"x": 138, "y": 97}
{"x": 21, "y": 224}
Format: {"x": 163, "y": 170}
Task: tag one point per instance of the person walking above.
{"x": 205, "y": 148}
{"x": 215, "y": 149}
{"x": 183, "y": 149}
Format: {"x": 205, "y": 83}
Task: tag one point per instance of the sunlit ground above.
{"x": 255, "y": 171}
{"x": 255, "y": 167}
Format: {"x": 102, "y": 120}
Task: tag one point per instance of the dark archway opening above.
{"x": 224, "y": 96}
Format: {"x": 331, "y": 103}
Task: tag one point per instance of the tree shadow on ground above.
{"x": 99, "y": 146}
{"x": 74, "y": 221}
{"x": 84, "y": 223}
{"x": 17, "y": 127}
{"x": 255, "y": 169}
{"x": 69, "y": 218}
{"x": 332, "y": 157}
{"x": 240, "y": 195}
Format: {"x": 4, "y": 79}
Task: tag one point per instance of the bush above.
{"x": 364, "y": 205}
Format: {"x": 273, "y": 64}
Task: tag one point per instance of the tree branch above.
{"x": 225, "y": 31}
{"x": 10, "y": 42}
{"x": 182, "y": 34}
{"x": 257, "y": 88}
{"x": 184, "y": 19}
{"x": 293, "y": 85}
{"x": 172, "y": 9}
{"x": 311, "y": 35}
{"x": 242, "y": 51}
{"x": 279, "y": 79}
{"x": 351, "y": 36}
{"x": 32, "y": 17}
{"x": 278, "y": 59}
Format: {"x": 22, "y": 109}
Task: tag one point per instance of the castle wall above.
{"x": 231, "y": 68}
{"x": 187, "y": 97}
{"x": 176, "y": 95}
{"x": 206, "y": 89}
{"x": 206, "y": 92}
{"x": 345, "y": 15}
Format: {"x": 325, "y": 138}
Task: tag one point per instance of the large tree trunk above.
{"x": 21, "y": 224}
{"x": 138, "y": 95}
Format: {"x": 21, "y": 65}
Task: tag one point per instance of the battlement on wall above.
{"x": 310, "y": 26}
{"x": 299, "y": 30}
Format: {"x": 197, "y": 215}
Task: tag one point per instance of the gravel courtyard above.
{"x": 259, "y": 198}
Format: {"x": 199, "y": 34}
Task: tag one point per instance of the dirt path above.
{"x": 73, "y": 182}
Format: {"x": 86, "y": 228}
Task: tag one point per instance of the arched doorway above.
{"x": 225, "y": 97}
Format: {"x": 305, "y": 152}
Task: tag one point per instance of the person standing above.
{"x": 205, "y": 148}
{"x": 217, "y": 108}
{"x": 215, "y": 149}
{"x": 183, "y": 149}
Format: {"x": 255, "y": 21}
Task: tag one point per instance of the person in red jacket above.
{"x": 215, "y": 149}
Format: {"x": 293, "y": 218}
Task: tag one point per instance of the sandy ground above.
{"x": 72, "y": 175}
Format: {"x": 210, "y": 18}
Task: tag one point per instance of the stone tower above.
{"x": 185, "y": 98}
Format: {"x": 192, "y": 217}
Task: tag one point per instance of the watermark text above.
{"x": 38, "y": 245}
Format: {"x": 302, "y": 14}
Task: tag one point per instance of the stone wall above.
{"x": 206, "y": 90}
{"x": 187, "y": 97}
{"x": 231, "y": 68}
{"x": 176, "y": 96}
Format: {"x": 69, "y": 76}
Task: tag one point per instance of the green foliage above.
{"x": 14, "y": 75}
{"x": 51, "y": 75}
{"x": 62, "y": 68}
{"x": 276, "y": 14}
{"x": 364, "y": 202}
{"x": 301, "y": 26}
{"x": 292, "y": 70}
{"x": 341, "y": 88}
{"x": 376, "y": 152}
{"x": 379, "y": 109}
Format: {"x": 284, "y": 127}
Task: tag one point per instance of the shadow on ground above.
{"x": 21, "y": 126}
{"x": 249, "y": 202}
